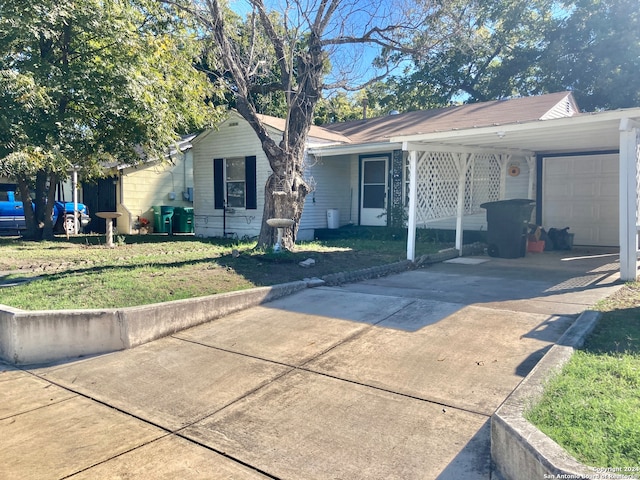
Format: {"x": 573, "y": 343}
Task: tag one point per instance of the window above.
{"x": 235, "y": 182}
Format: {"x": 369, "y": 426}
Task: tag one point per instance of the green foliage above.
{"x": 488, "y": 58}
{"x": 528, "y": 47}
{"x": 336, "y": 108}
{"x": 89, "y": 81}
{"x": 595, "y": 52}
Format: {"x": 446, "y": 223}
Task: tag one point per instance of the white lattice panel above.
{"x": 482, "y": 182}
{"x": 439, "y": 175}
{"x": 437, "y": 186}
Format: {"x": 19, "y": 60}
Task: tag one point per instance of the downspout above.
{"x": 224, "y": 219}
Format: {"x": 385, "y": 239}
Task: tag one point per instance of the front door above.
{"x": 373, "y": 188}
{"x": 99, "y": 196}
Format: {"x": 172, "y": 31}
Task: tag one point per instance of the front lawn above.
{"x": 83, "y": 273}
{"x": 592, "y": 408}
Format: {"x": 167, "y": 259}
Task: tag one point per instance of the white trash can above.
{"x": 333, "y": 218}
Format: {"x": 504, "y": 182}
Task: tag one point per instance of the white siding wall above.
{"x": 354, "y": 162}
{"x": 336, "y": 181}
{"x": 227, "y": 141}
{"x": 332, "y": 179}
{"x": 563, "y": 109}
{"x": 517, "y": 187}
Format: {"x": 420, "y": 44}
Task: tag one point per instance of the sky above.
{"x": 352, "y": 61}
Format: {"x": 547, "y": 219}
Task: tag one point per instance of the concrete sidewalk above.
{"x": 392, "y": 378}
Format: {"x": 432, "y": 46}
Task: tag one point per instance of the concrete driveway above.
{"x": 392, "y": 378}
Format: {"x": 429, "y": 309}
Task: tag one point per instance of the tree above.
{"x": 297, "y": 52}
{"x": 90, "y": 81}
{"x": 493, "y": 56}
{"x": 517, "y": 47}
{"x": 341, "y": 107}
{"x": 595, "y": 52}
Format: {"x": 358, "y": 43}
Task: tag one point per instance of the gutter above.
{"x": 354, "y": 148}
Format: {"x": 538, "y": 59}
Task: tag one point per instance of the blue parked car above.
{"x": 12, "y": 215}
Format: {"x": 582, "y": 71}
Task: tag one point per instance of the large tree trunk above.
{"x": 38, "y": 211}
{"x": 282, "y": 199}
{"x": 48, "y": 229}
{"x": 32, "y": 231}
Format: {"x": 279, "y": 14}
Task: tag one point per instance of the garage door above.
{"x": 581, "y": 192}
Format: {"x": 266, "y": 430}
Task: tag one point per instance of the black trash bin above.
{"x": 507, "y": 223}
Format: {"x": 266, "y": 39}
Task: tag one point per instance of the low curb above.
{"x": 46, "y": 336}
{"x": 518, "y": 449}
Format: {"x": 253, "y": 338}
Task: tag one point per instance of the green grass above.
{"x": 592, "y": 408}
{"x": 83, "y": 273}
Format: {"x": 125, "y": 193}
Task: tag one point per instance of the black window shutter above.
{"x": 218, "y": 183}
{"x": 251, "y": 182}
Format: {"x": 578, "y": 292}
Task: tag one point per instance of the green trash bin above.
{"x": 158, "y": 225}
{"x": 183, "y": 220}
{"x": 167, "y": 218}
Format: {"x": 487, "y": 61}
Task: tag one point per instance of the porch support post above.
{"x": 74, "y": 194}
{"x": 531, "y": 164}
{"x": 413, "y": 197}
{"x": 463, "y": 161}
{"x": 397, "y": 207}
{"x": 629, "y": 151}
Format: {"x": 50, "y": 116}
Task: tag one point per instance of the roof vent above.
{"x": 394, "y": 112}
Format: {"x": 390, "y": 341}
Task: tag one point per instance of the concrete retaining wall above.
{"x": 30, "y": 337}
{"x": 518, "y": 449}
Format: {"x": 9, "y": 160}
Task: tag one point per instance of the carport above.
{"x": 452, "y": 172}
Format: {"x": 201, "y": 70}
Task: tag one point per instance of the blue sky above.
{"x": 355, "y": 60}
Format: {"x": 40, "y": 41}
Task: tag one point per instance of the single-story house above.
{"x": 133, "y": 190}
{"x": 230, "y": 171}
{"x": 436, "y": 167}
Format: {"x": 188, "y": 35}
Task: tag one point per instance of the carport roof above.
{"x": 587, "y": 132}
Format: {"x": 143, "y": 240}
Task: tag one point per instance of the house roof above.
{"x": 381, "y": 129}
{"x": 543, "y": 123}
{"x": 181, "y": 145}
{"x": 497, "y": 112}
{"x": 315, "y": 131}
